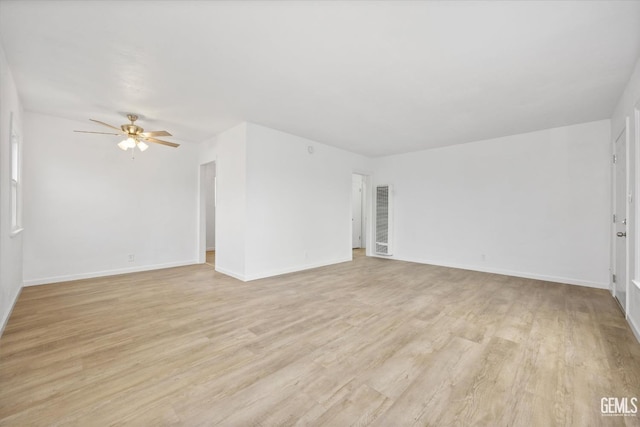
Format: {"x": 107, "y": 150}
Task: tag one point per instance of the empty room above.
{"x": 319, "y": 213}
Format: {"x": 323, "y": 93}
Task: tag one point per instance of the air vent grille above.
{"x": 383, "y": 220}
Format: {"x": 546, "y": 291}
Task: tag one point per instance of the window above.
{"x": 16, "y": 184}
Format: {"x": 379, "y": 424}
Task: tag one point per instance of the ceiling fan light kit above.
{"x": 132, "y": 142}
{"x": 135, "y": 136}
{"x": 142, "y": 146}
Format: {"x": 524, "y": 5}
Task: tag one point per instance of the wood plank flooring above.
{"x": 369, "y": 342}
{"x": 211, "y": 258}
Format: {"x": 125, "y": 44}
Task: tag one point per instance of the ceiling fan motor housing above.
{"x": 132, "y": 129}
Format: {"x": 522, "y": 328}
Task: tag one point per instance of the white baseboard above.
{"x": 211, "y": 249}
{"x": 7, "y": 315}
{"x": 104, "y": 273}
{"x": 287, "y": 270}
{"x": 230, "y": 273}
{"x": 634, "y": 328}
{"x": 281, "y": 271}
{"x": 535, "y": 276}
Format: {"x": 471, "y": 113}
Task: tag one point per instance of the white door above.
{"x": 356, "y": 212}
{"x": 620, "y": 220}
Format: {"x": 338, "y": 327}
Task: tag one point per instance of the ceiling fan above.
{"x": 134, "y": 135}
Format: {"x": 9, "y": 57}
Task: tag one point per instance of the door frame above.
{"x": 203, "y": 185}
{"x": 635, "y": 278}
{"x": 627, "y": 213}
{"x": 361, "y": 202}
{"x": 366, "y": 210}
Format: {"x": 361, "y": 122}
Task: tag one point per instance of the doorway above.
{"x": 620, "y": 215}
{"x": 207, "y": 245}
{"x": 358, "y": 211}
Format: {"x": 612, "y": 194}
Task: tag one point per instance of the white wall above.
{"x": 279, "y": 208}
{"x": 533, "y": 205}
{"x": 299, "y": 203}
{"x": 210, "y": 201}
{"x": 10, "y": 246}
{"x": 88, "y": 205}
{"x": 625, "y": 108}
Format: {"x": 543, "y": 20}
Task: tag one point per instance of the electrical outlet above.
{"x": 132, "y": 257}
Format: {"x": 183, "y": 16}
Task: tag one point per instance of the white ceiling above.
{"x": 371, "y": 77}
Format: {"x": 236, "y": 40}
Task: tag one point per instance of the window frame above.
{"x": 15, "y": 177}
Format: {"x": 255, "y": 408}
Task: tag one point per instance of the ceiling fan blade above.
{"x": 108, "y": 125}
{"x": 159, "y": 141}
{"x": 156, "y": 133}
{"x": 102, "y": 133}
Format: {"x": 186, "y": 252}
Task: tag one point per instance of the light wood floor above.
{"x": 211, "y": 258}
{"x": 373, "y": 341}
